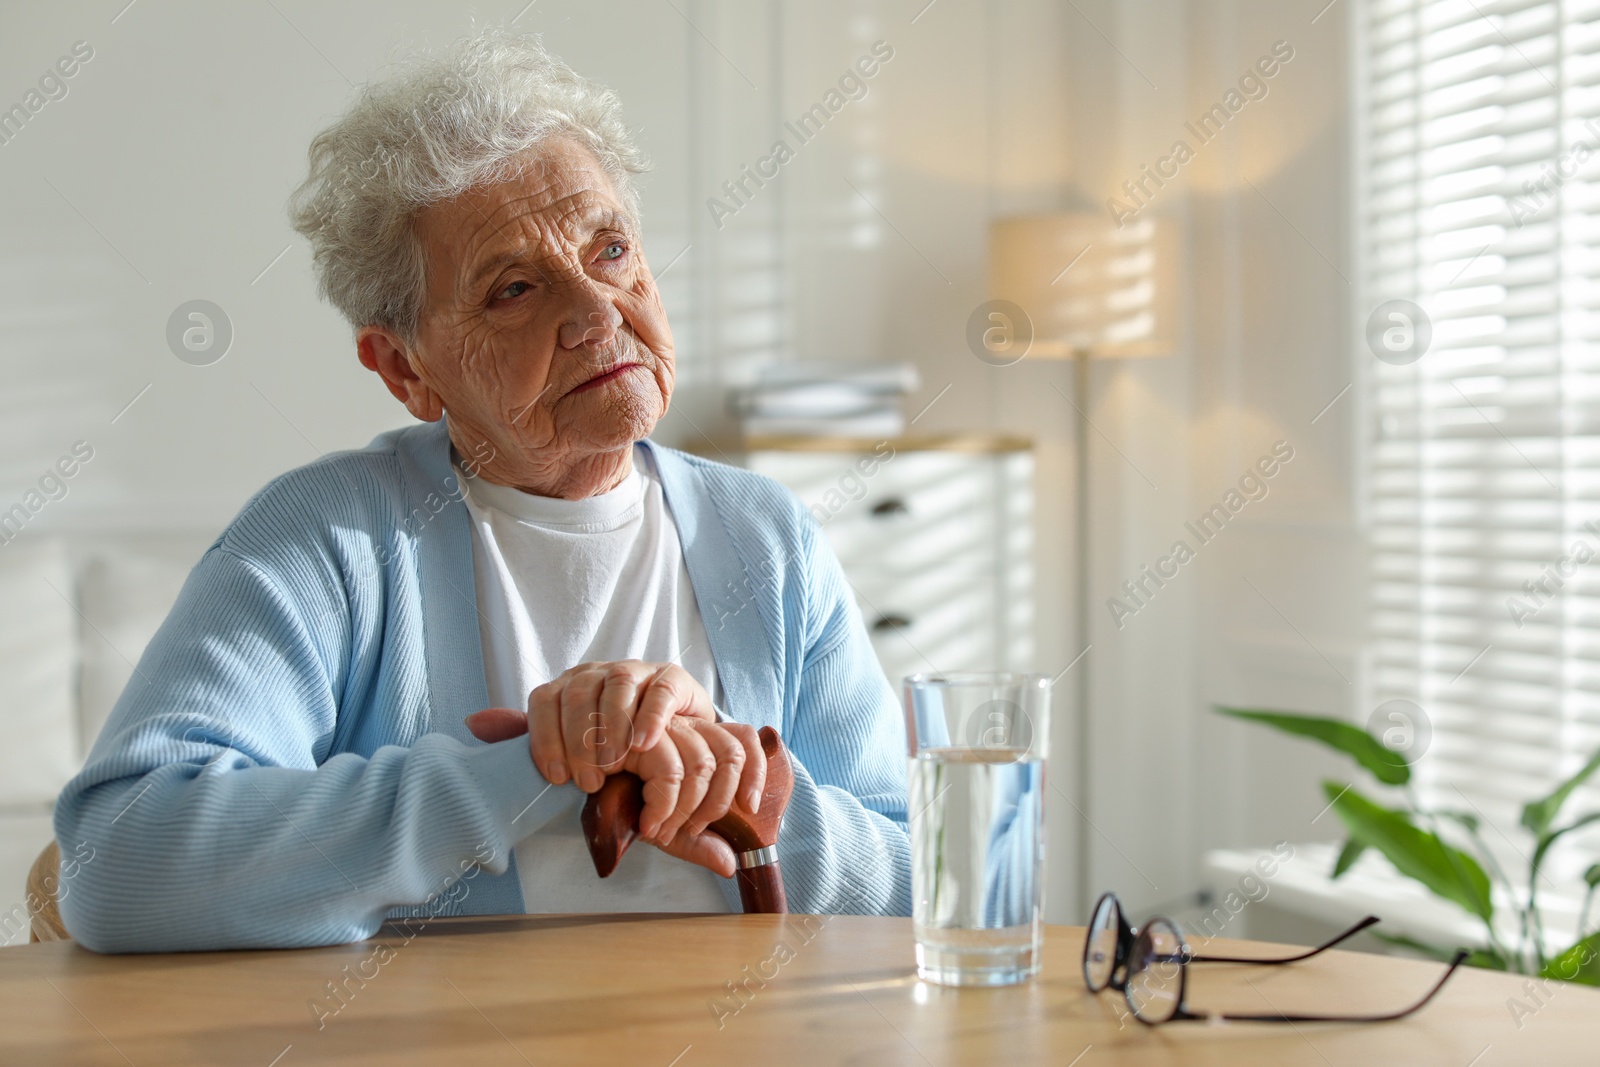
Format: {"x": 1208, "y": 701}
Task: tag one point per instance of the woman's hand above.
{"x": 583, "y": 723}
{"x": 691, "y": 778}
{"x": 654, "y": 720}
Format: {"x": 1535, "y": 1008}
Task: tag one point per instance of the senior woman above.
{"x": 301, "y": 752}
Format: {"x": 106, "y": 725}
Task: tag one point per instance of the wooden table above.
{"x": 645, "y": 991}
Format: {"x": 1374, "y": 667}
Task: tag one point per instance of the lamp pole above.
{"x": 1081, "y": 761}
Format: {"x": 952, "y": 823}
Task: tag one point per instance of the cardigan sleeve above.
{"x": 218, "y": 818}
{"x": 845, "y": 847}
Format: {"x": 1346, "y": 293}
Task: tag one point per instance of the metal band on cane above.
{"x": 758, "y": 858}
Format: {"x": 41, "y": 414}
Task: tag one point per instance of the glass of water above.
{"x": 978, "y": 746}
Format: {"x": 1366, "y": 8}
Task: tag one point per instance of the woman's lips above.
{"x": 601, "y": 379}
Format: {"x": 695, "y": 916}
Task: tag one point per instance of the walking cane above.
{"x": 611, "y": 822}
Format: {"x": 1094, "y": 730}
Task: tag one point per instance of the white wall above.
{"x": 1281, "y": 610}
{"x": 162, "y": 177}
{"x": 1271, "y": 613}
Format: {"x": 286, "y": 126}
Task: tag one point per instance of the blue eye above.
{"x": 614, "y": 250}
{"x": 502, "y": 295}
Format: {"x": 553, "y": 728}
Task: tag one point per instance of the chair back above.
{"x": 44, "y": 910}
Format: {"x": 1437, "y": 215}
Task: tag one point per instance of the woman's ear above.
{"x": 381, "y": 352}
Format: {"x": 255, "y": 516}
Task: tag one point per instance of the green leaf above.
{"x": 1580, "y": 963}
{"x": 1465, "y": 818}
{"x": 1347, "y": 857}
{"x": 1386, "y": 766}
{"x": 1433, "y": 952}
{"x": 1487, "y": 958}
{"x": 1547, "y": 840}
{"x": 1538, "y": 815}
{"x": 1591, "y": 877}
{"x": 1418, "y": 854}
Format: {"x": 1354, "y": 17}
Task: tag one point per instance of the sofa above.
{"x": 82, "y": 607}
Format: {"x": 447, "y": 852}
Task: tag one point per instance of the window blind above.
{"x": 1479, "y": 150}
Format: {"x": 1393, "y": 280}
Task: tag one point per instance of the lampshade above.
{"x": 1088, "y": 286}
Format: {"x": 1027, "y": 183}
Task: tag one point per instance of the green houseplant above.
{"x": 1410, "y": 838}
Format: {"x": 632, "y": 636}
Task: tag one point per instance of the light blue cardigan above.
{"x": 289, "y": 766}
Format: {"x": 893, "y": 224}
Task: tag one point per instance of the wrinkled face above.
{"x": 542, "y": 334}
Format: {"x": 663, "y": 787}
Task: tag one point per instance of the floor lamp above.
{"x": 1076, "y": 286}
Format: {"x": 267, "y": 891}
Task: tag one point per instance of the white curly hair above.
{"x": 440, "y": 125}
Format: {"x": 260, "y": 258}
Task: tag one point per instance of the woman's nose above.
{"x": 592, "y": 322}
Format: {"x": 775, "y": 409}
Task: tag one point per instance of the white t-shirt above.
{"x": 562, "y": 582}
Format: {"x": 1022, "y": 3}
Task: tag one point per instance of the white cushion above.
{"x": 38, "y": 640}
{"x": 126, "y": 592}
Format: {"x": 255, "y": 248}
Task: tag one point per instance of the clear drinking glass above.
{"x": 978, "y": 745}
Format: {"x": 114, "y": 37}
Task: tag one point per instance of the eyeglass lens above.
{"x": 1100, "y": 945}
{"x": 1155, "y": 972}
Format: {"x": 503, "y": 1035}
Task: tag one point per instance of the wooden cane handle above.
{"x": 611, "y": 822}
{"x": 747, "y": 832}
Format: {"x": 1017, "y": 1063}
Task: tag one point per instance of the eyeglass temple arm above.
{"x": 1280, "y": 1017}
{"x": 1325, "y": 946}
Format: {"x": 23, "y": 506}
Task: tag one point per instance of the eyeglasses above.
{"x": 1149, "y": 966}
{"x": 1108, "y": 947}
